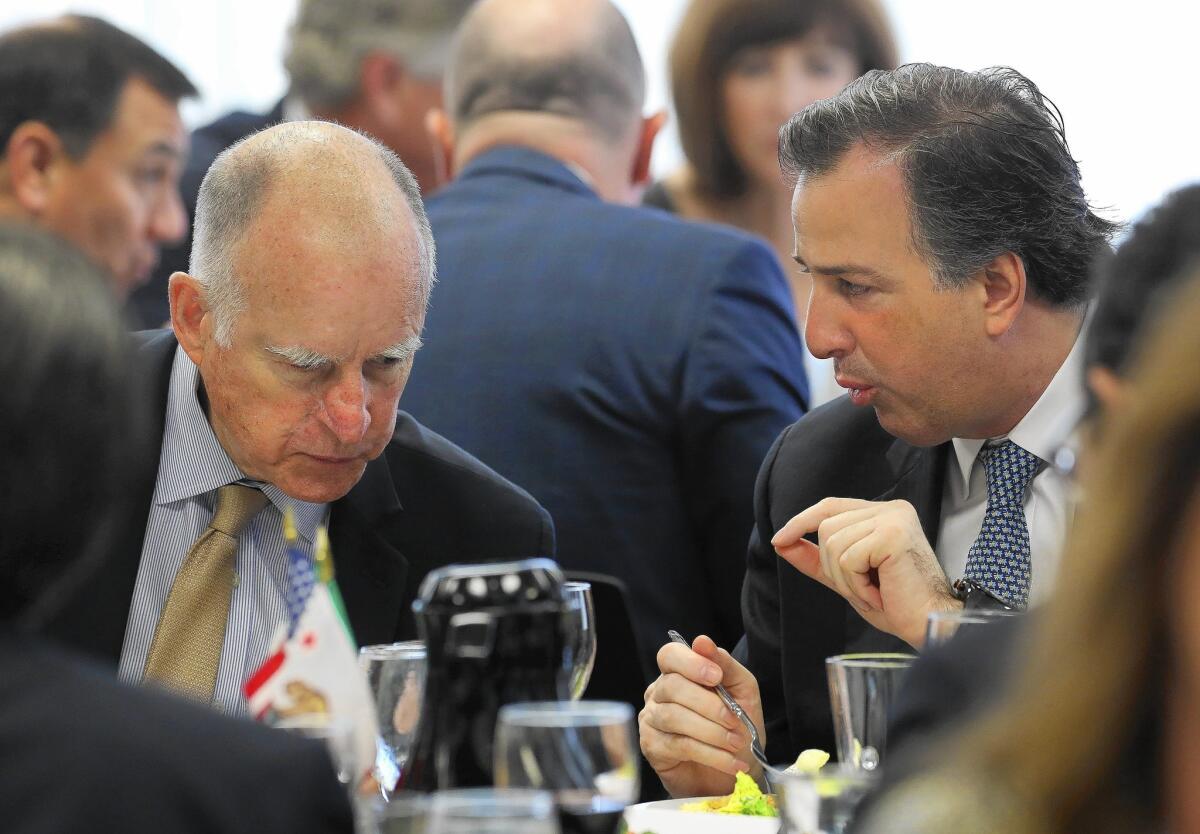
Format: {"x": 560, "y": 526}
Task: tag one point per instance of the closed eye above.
{"x": 851, "y": 289}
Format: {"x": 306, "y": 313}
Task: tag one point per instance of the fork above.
{"x": 772, "y": 774}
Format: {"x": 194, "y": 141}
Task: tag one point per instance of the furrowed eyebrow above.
{"x": 840, "y": 270}
{"x": 301, "y": 357}
{"x": 401, "y": 350}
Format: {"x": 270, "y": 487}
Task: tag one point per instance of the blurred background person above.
{"x": 82, "y": 751}
{"x": 739, "y": 70}
{"x": 976, "y": 668}
{"x": 372, "y": 65}
{"x": 627, "y": 368}
{"x": 1100, "y": 732}
{"x": 91, "y": 143}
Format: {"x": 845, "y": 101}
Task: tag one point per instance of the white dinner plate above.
{"x": 664, "y": 817}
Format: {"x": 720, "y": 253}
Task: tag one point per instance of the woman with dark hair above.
{"x": 739, "y": 70}
{"x": 82, "y": 751}
{"x": 1100, "y": 731}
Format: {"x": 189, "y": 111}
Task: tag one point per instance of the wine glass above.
{"x": 581, "y": 634}
{"x": 585, "y": 752}
{"x": 395, "y": 674}
{"x": 491, "y": 811}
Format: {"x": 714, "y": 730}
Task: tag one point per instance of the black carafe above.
{"x": 494, "y": 635}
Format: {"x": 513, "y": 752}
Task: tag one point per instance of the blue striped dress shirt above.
{"x": 192, "y": 467}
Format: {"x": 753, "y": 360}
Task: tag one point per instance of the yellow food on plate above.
{"x": 747, "y": 800}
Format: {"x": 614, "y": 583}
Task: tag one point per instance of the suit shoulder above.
{"x": 420, "y": 450}
{"x": 180, "y": 755}
{"x": 832, "y": 442}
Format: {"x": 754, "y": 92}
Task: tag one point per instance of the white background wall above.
{"x": 1123, "y": 78}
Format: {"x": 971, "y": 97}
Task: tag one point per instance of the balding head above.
{"x": 311, "y": 266}
{"x": 344, "y": 188}
{"x": 575, "y": 59}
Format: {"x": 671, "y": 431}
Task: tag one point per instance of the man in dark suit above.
{"x": 942, "y": 218}
{"x": 82, "y": 751}
{"x": 372, "y": 65}
{"x": 91, "y": 143}
{"x": 628, "y": 368}
{"x": 296, "y": 334}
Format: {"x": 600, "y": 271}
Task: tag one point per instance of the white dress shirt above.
{"x": 1048, "y": 505}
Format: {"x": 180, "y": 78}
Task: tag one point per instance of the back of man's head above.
{"x": 986, "y": 164}
{"x": 330, "y": 38}
{"x": 575, "y": 59}
{"x": 67, "y": 397}
{"x": 69, "y": 72}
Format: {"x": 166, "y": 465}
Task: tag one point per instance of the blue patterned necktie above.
{"x": 999, "y": 558}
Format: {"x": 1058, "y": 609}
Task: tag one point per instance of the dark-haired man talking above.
{"x": 91, "y": 143}
{"x": 941, "y": 216}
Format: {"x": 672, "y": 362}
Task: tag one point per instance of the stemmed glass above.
{"x": 395, "y": 673}
{"x": 581, "y": 634}
{"x": 584, "y": 752}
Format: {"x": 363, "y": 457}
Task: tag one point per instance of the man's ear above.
{"x": 382, "y": 80}
{"x": 190, "y": 316}
{"x": 33, "y": 157}
{"x": 651, "y": 125}
{"x": 1004, "y": 287}
{"x": 441, "y": 134}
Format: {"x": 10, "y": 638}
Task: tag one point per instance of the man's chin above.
{"x": 329, "y": 483}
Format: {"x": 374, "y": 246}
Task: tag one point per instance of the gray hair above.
{"x": 598, "y": 78}
{"x": 330, "y": 38}
{"x": 986, "y": 166}
{"x": 235, "y": 188}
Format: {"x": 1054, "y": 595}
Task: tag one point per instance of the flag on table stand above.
{"x": 312, "y": 668}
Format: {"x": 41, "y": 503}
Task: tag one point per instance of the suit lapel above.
{"x": 372, "y": 573}
{"x": 920, "y": 474}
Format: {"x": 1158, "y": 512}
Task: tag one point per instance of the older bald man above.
{"x": 293, "y": 334}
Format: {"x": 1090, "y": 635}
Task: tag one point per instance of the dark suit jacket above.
{"x": 628, "y": 368}
{"x": 80, "y": 751}
{"x": 422, "y": 504}
{"x": 792, "y": 622}
{"x": 148, "y": 307}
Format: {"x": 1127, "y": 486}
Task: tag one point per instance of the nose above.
{"x": 169, "y": 221}
{"x": 346, "y": 409}
{"x": 824, "y": 332}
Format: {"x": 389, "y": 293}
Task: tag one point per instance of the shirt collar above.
{"x": 1046, "y": 426}
{"x": 193, "y": 462}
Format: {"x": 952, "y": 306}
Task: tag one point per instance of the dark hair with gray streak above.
{"x": 985, "y": 159}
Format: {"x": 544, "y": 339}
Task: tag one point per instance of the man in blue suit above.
{"x": 627, "y": 368}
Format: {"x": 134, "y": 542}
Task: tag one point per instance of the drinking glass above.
{"x": 585, "y": 752}
{"x": 823, "y": 802}
{"x": 405, "y": 812}
{"x": 943, "y": 625}
{"x": 337, "y": 734}
{"x": 395, "y": 673}
{"x": 861, "y": 690}
{"x": 581, "y": 634}
{"x": 492, "y": 811}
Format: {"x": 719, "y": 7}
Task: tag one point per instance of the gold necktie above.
{"x": 187, "y": 642}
